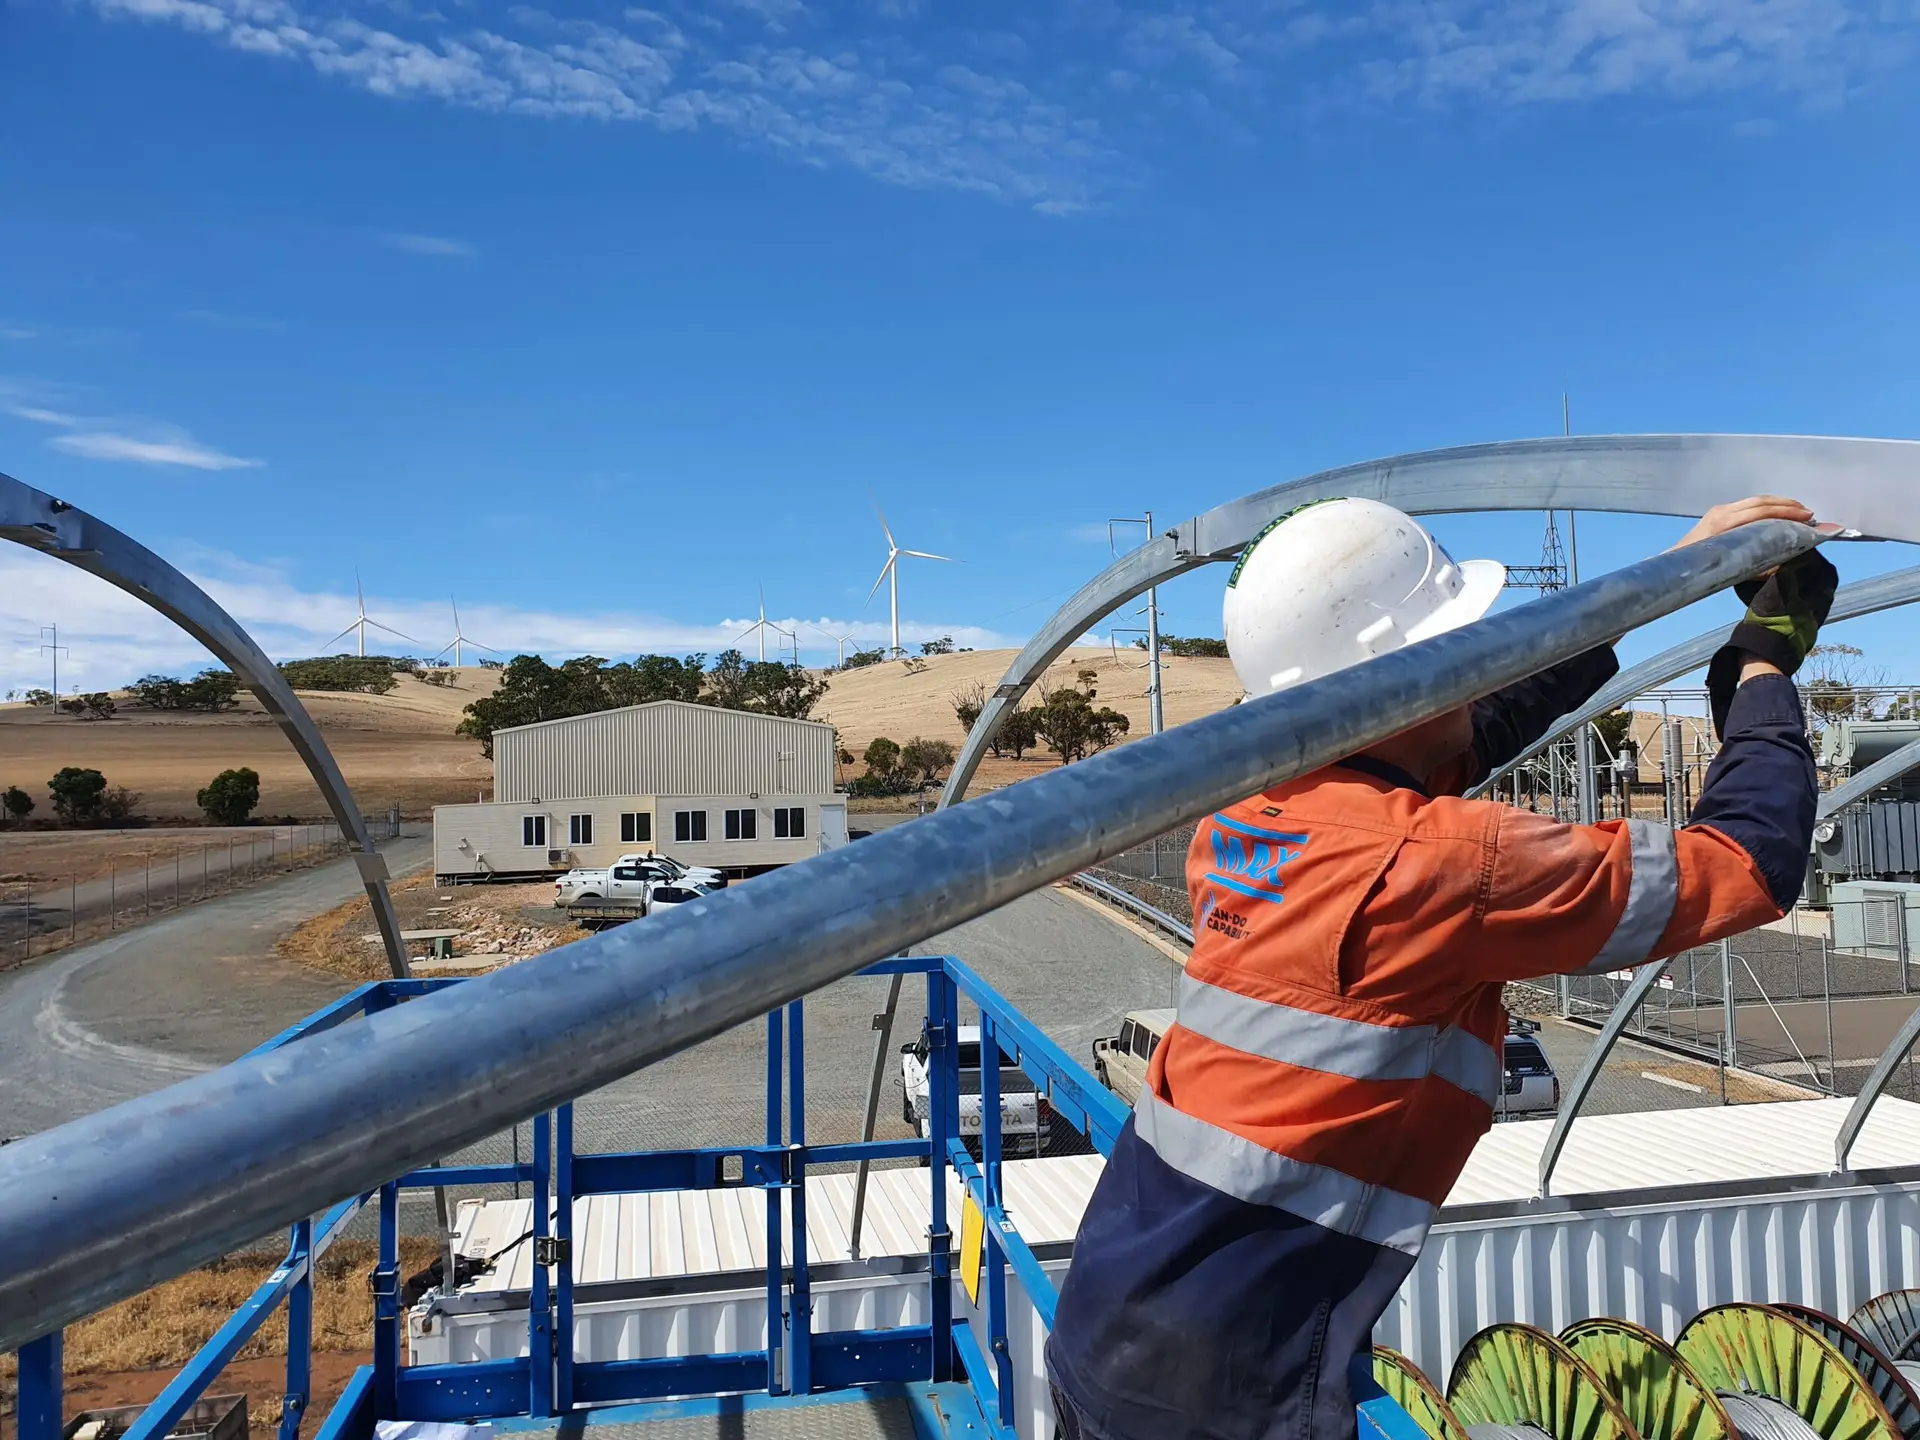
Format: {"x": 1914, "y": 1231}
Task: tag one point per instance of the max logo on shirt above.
{"x": 1247, "y": 859}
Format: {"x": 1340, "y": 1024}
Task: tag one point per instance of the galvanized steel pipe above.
{"x": 106, "y": 1206}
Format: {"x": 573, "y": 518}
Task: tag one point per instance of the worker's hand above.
{"x": 1722, "y": 518}
{"x": 1785, "y": 610}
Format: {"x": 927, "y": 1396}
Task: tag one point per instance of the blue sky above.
{"x": 602, "y": 317}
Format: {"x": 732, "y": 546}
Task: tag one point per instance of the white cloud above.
{"x": 102, "y": 445}
{"x": 16, "y": 332}
{"x": 113, "y": 638}
{"x": 93, "y": 438}
{"x": 428, "y": 245}
{"x": 1531, "y": 51}
{"x": 912, "y": 95}
{"x": 868, "y": 102}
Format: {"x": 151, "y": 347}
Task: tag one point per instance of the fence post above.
{"x": 73, "y": 905}
{"x": 1732, "y": 1050}
{"x": 1826, "y": 986}
{"x": 113, "y": 886}
{"x": 26, "y": 918}
{"x": 146, "y": 889}
{"x": 1900, "y": 909}
{"x": 176, "y": 879}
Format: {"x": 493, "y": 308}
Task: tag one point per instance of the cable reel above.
{"x": 1514, "y": 1382}
{"x": 1414, "y": 1393}
{"x": 1659, "y": 1391}
{"x": 1883, "y": 1377}
{"x": 1780, "y": 1378}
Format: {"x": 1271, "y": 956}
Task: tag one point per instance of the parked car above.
{"x": 1120, "y": 1061}
{"x": 629, "y": 877}
{"x": 1024, "y": 1113}
{"x": 1528, "y": 1086}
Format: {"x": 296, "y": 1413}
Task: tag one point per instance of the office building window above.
{"x": 580, "y": 829}
{"x": 689, "y": 826}
{"x": 789, "y": 822}
{"x": 533, "y": 830}
{"x": 636, "y": 828}
{"x": 743, "y": 825}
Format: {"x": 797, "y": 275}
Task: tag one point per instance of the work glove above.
{"x": 1785, "y": 611}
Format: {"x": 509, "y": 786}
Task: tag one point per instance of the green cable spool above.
{"x": 1416, "y": 1394}
{"x": 1515, "y": 1375}
{"x": 1896, "y": 1392}
{"x": 1658, "y": 1390}
{"x": 1759, "y": 1350}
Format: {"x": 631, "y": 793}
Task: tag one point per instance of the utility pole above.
{"x": 1156, "y": 711}
{"x": 51, "y": 646}
{"x": 1589, "y": 808}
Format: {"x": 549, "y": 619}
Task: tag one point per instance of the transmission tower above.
{"x": 1551, "y": 573}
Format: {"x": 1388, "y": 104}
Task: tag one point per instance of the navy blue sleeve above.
{"x": 1761, "y": 790}
{"x": 1509, "y": 720}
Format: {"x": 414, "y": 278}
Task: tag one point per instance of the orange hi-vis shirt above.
{"x": 1341, "y": 1009}
{"x": 1336, "y": 1053}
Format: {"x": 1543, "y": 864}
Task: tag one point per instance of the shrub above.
{"x": 968, "y": 703}
{"x": 882, "y": 756}
{"x": 230, "y": 797}
{"x": 211, "y": 690}
{"x": 99, "y": 705}
{"x": 860, "y": 659}
{"x": 39, "y": 697}
{"x": 73, "y": 705}
{"x": 118, "y": 803}
{"x": 368, "y": 674}
{"x": 926, "y": 758}
{"x": 942, "y": 646}
{"x": 77, "y": 794}
{"x": 1073, "y": 728}
{"x": 17, "y": 802}
{"x": 1019, "y": 732}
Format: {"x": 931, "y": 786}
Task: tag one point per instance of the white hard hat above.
{"x": 1341, "y": 581}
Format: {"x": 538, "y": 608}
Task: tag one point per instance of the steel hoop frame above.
{"x": 53, "y": 527}
{"x": 1863, "y": 483}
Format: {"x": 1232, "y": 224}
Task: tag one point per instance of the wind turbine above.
{"x": 361, "y": 622}
{"x": 840, "y": 640}
{"x": 460, "y": 638}
{"x": 763, "y": 625}
{"x": 891, "y": 572}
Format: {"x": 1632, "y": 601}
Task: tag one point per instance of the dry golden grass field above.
{"x": 400, "y": 749}
{"x": 395, "y": 749}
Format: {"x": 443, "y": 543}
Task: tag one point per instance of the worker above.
{"x": 1337, "y": 1048}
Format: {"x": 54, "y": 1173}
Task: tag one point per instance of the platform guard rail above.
{"x": 971, "y": 1366}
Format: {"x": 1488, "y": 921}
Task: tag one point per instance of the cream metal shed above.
{"x": 726, "y": 788}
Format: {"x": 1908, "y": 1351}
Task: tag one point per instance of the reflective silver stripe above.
{"x": 1469, "y": 1062}
{"x": 1339, "y": 1046}
{"x": 1234, "y": 1165}
{"x": 1650, "y": 899}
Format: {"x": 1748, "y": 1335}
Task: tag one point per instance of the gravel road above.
{"x": 101, "y": 1023}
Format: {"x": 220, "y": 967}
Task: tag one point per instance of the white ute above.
{"x": 1023, "y": 1114}
{"x": 629, "y": 878}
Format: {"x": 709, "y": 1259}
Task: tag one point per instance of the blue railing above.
{"x": 798, "y": 1364}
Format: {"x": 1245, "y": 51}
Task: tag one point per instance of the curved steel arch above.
{"x": 1863, "y": 597}
{"x": 37, "y": 520}
{"x": 1862, "y": 483}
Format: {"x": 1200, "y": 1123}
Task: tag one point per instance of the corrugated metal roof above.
{"x": 712, "y": 1232}
{"x": 666, "y": 747}
{"x": 1667, "y": 1148}
{"x": 668, "y": 1234}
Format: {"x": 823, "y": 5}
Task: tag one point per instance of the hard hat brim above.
{"x": 1481, "y": 583}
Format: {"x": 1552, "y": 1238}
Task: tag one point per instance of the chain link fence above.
{"x": 1787, "y": 1001}
{"x": 41, "y": 913}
